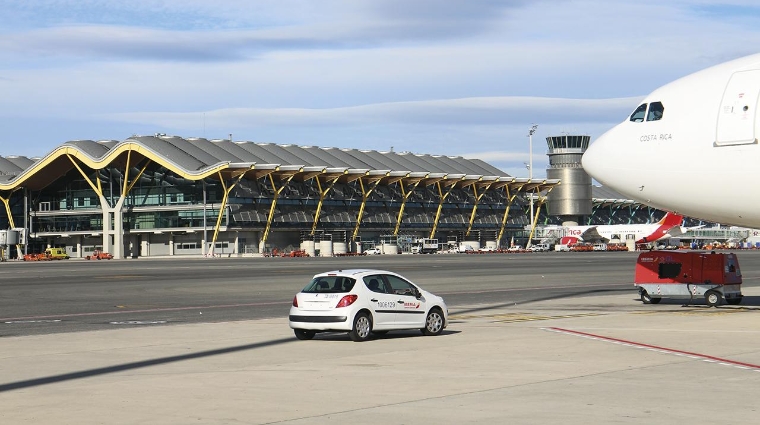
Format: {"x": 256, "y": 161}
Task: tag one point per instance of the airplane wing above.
{"x": 592, "y": 235}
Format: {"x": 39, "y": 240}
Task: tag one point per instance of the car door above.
{"x": 382, "y": 302}
{"x": 410, "y": 311}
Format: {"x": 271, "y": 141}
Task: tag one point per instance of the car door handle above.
{"x": 400, "y": 301}
{"x": 374, "y": 300}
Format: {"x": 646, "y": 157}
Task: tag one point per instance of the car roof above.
{"x": 354, "y": 272}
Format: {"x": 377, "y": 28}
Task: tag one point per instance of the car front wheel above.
{"x": 433, "y": 323}
{"x": 362, "y": 328}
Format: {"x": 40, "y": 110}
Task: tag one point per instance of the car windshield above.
{"x": 329, "y": 284}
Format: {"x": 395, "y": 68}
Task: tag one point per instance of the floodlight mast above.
{"x": 532, "y": 130}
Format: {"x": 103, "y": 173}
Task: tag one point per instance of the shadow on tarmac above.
{"x": 750, "y": 303}
{"x": 137, "y": 365}
{"x": 547, "y": 298}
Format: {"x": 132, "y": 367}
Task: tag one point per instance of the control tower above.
{"x": 571, "y": 200}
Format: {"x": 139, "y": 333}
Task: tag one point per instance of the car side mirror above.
{"x": 417, "y": 293}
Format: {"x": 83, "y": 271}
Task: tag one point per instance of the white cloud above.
{"x": 454, "y": 77}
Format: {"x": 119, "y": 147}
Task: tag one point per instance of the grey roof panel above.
{"x": 462, "y": 164}
{"x": 327, "y": 157}
{"x": 91, "y": 148}
{"x": 265, "y": 156}
{"x": 418, "y": 164}
{"x": 215, "y": 150}
{"x": 193, "y": 150}
{"x": 308, "y": 157}
{"x": 487, "y": 168}
{"x": 170, "y": 152}
{"x": 279, "y": 151}
{"x": 236, "y": 149}
{"x": 21, "y": 162}
{"x": 345, "y": 157}
{"x": 7, "y": 168}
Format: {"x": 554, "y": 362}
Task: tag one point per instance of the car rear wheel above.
{"x": 433, "y": 323}
{"x": 303, "y": 334}
{"x": 362, "y": 327}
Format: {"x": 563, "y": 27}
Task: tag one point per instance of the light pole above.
{"x": 532, "y": 130}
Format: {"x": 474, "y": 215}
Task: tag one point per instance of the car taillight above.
{"x": 346, "y": 301}
{"x": 295, "y": 301}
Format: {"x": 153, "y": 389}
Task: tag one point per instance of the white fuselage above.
{"x": 701, "y": 158}
{"x": 623, "y": 232}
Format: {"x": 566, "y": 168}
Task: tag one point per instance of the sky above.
{"x": 445, "y": 77}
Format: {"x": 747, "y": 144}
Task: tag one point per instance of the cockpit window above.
{"x": 655, "y": 111}
{"x": 639, "y": 114}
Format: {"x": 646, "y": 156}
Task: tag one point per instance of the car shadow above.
{"x": 412, "y": 333}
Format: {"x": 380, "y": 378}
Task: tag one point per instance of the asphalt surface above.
{"x": 79, "y": 295}
{"x": 532, "y": 338}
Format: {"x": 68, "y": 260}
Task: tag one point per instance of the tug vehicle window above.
{"x": 639, "y": 114}
{"x": 656, "y": 110}
{"x": 669, "y": 270}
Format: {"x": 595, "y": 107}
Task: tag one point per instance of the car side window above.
{"x": 400, "y": 286}
{"x": 639, "y": 113}
{"x": 375, "y": 283}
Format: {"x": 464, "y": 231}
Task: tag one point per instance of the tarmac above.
{"x": 584, "y": 360}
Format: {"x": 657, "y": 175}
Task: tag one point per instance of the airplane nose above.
{"x": 595, "y": 158}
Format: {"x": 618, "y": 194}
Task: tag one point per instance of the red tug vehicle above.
{"x": 689, "y": 274}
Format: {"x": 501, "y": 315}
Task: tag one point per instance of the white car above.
{"x": 363, "y": 302}
{"x": 372, "y": 251}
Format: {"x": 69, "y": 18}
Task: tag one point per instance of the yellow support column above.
{"x": 541, "y": 200}
{"x": 365, "y": 195}
{"x": 11, "y": 222}
{"x": 322, "y": 195}
{"x": 226, "y": 195}
{"x": 406, "y": 194}
{"x": 441, "y": 199}
{"x": 475, "y": 205}
{"x": 510, "y": 199}
{"x": 276, "y": 195}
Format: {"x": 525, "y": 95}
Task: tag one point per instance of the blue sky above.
{"x": 452, "y": 77}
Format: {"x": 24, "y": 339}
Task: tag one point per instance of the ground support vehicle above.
{"x": 99, "y": 255}
{"x": 688, "y": 274}
{"x": 57, "y": 253}
{"x": 363, "y": 302}
{"x": 37, "y": 257}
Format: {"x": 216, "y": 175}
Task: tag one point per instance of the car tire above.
{"x": 712, "y": 298}
{"x": 735, "y": 301}
{"x": 645, "y": 297}
{"x": 362, "y": 328}
{"x": 433, "y": 322}
{"x": 304, "y": 334}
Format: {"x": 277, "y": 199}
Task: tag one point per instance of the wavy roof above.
{"x": 197, "y": 158}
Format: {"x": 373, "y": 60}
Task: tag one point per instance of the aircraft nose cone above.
{"x": 595, "y": 158}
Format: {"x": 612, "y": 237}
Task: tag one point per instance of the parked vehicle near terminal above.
{"x": 688, "y": 274}
{"x": 362, "y": 302}
{"x": 57, "y": 253}
{"x": 541, "y": 247}
{"x": 99, "y": 255}
{"x": 372, "y": 251}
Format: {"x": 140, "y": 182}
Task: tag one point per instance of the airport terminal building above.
{"x": 165, "y": 195}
